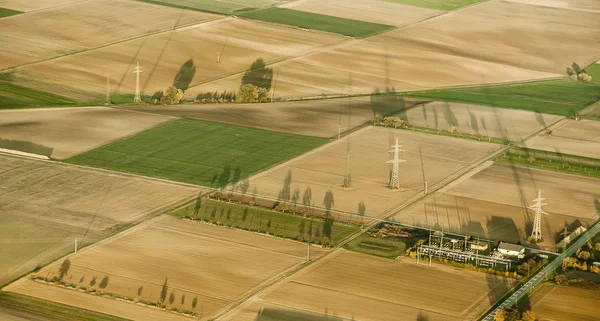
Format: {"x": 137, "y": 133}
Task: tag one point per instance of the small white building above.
{"x": 511, "y": 249}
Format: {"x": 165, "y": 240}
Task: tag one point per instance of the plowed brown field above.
{"x": 553, "y": 303}
{"x": 574, "y": 138}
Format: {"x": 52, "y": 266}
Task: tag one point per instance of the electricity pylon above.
{"x": 536, "y": 234}
{"x": 395, "y": 178}
{"x": 137, "y": 71}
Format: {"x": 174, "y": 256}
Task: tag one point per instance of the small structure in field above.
{"x": 479, "y": 245}
{"x": 511, "y": 249}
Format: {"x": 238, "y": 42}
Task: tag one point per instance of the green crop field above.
{"x": 262, "y": 220}
{"x": 222, "y": 7}
{"x": 437, "y": 4}
{"x": 194, "y": 151}
{"x": 14, "y": 96}
{"x": 8, "y": 12}
{"x": 557, "y": 96}
{"x": 315, "y": 21}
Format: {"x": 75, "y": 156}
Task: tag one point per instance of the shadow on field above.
{"x": 386, "y": 103}
{"x": 422, "y": 317}
{"x": 185, "y": 75}
{"x": 570, "y": 227}
{"x": 269, "y": 314}
{"x": 497, "y": 287}
{"x": 503, "y": 228}
{"x": 258, "y": 75}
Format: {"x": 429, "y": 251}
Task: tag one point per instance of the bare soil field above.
{"x": 574, "y": 137}
{"x": 162, "y": 56}
{"x": 583, "y": 5}
{"x": 491, "y": 204}
{"x": 515, "y": 125}
{"x": 376, "y": 11}
{"x": 205, "y": 265}
{"x": 71, "y": 131}
{"x": 352, "y": 285}
{"x": 324, "y": 168}
{"x": 319, "y": 118}
{"x": 31, "y": 5}
{"x": 44, "y": 207}
{"x": 553, "y": 303}
{"x": 493, "y": 42}
{"x": 62, "y": 30}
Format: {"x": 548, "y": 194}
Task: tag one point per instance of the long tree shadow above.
{"x": 271, "y": 314}
{"x": 387, "y": 103}
{"x": 185, "y": 75}
{"x": 258, "y": 75}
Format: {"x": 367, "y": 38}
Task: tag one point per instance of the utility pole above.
{"x": 108, "y": 102}
{"x": 395, "y": 178}
{"x": 137, "y": 70}
{"x": 308, "y": 253}
{"x": 75, "y": 245}
{"x": 536, "y": 234}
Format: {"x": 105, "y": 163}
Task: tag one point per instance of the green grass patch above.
{"x": 557, "y": 96}
{"x": 26, "y": 146}
{"x": 262, "y": 220}
{"x": 308, "y": 20}
{"x": 437, "y": 4}
{"x": 8, "y": 12}
{"x": 14, "y": 96}
{"x": 557, "y": 162}
{"x": 194, "y": 151}
{"x": 383, "y": 247}
{"x": 46, "y": 310}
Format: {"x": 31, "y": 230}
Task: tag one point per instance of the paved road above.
{"x": 524, "y": 290}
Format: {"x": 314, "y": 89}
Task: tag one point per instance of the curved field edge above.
{"x": 199, "y": 152}
{"x": 308, "y": 20}
{"x": 438, "y": 4}
{"x": 36, "y": 308}
{"x": 556, "y": 96}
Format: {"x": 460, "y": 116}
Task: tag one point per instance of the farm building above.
{"x": 511, "y": 249}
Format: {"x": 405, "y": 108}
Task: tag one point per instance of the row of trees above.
{"x": 584, "y": 258}
{"x": 509, "y": 314}
{"x": 576, "y": 73}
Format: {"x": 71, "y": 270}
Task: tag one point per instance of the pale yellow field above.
{"x": 574, "y": 137}
{"x": 71, "y": 131}
{"x": 354, "y": 285}
{"x": 558, "y": 303}
{"x": 493, "y": 42}
{"x": 161, "y": 57}
{"x": 323, "y": 169}
{"x": 376, "y": 11}
{"x": 313, "y": 117}
{"x": 30, "y": 5}
{"x": 66, "y": 29}
{"x": 490, "y": 204}
{"x": 44, "y": 207}
{"x": 584, "y": 5}
{"x": 516, "y": 125}
{"x": 217, "y": 265}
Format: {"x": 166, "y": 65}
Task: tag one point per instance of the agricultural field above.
{"x": 84, "y": 25}
{"x": 327, "y": 23}
{"x": 324, "y": 169}
{"x": 162, "y": 56}
{"x": 219, "y": 6}
{"x": 490, "y": 204}
{"x": 61, "y": 128}
{"x": 194, "y": 151}
{"x": 514, "y": 125}
{"x": 319, "y": 118}
{"x": 558, "y": 96}
{"x": 376, "y": 11}
{"x": 473, "y": 46}
{"x": 44, "y": 207}
{"x": 572, "y": 137}
{"x": 15, "y": 96}
{"x": 552, "y": 302}
{"x": 583, "y": 5}
{"x": 32, "y": 5}
{"x": 8, "y": 12}
{"x": 438, "y": 4}
{"x": 592, "y": 112}
{"x": 205, "y": 268}
{"x": 349, "y": 285}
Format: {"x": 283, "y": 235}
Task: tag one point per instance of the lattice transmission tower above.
{"x": 137, "y": 70}
{"x": 395, "y": 178}
{"x": 536, "y": 234}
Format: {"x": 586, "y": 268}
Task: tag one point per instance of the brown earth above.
{"x": 161, "y": 57}
{"x": 489, "y": 204}
{"x": 217, "y": 265}
{"x": 71, "y": 131}
{"x": 376, "y": 11}
{"x": 62, "y": 30}
{"x": 31, "y": 5}
{"x": 323, "y": 169}
{"x": 312, "y": 117}
{"x": 516, "y": 125}
{"x": 554, "y": 303}
{"x": 354, "y": 285}
{"x": 44, "y": 207}
{"x": 574, "y": 137}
